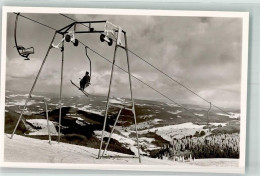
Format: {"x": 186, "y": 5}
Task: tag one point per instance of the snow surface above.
{"x": 116, "y": 100}
{"x": 127, "y": 141}
{"x": 200, "y": 115}
{"x": 87, "y": 108}
{"x": 146, "y": 116}
{"x": 174, "y": 131}
{"x": 232, "y": 115}
{"x": 145, "y": 124}
{"x": 155, "y": 121}
{"x": 172, "y": 105}
{"x": 175, "y": 112}
{"x": 137, "y": 104}
{"x": 20, "y": 103}
{"x": 178, "y": 126}
{"x": 217, "y": 124}
{"x": 42, "y": 124}
{"x": 24, "y": 95}
{"x": 80, "y": 123}
{"x": 26, "y": 112}
{"x": 23, "y": 149}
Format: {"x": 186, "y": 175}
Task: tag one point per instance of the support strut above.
{"x": 34, "y": 83}
{"x": 61, "y": 84}
{"x": 107, "y": 105}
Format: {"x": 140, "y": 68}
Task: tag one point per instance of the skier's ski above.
{"x": 87, "y": 94}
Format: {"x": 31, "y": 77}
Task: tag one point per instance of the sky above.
{"x": 203, "y": 53}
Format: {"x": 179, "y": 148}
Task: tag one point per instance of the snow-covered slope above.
{"x": 23, "y": 149}
{"x": 41, "y": 124}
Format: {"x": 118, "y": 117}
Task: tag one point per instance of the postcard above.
{"x": 118, "y": 89}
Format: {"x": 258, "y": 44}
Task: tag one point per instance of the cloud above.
{"x": 203, "y": 53}
{"x": 18, "y": 68}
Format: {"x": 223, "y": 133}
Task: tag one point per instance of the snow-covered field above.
{"x": 154, "y": 119}
{"x": 232, "y": 115}
{"x": 128, "y": 142}
{"x": 42, "y": 125}
{"x": 175, "y": 131}
{"x": 175, "y": 112}
{"x": 23, "y": 149}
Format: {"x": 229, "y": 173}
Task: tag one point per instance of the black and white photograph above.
{"x": 124, "y": 89}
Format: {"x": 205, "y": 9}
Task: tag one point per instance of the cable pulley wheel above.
{"x": 67, "y": 38}
{"x": 76, "y": 42}
{"x": 102, "y": 37}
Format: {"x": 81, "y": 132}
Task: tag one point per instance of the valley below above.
{"x": 167, "y": 133}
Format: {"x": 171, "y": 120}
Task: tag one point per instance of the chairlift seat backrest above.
{"x": 27, "y": 52}
{"x": 22, "y": 51}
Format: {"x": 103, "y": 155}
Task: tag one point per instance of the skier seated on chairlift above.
{"x": 85, "y": 81}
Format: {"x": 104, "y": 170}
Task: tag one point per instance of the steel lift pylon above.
{"x": 69, "y": 36}
{"x": 119, "y": 44}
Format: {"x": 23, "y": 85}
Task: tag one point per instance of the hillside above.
{"x": 159, "y": 123}
{"x": 23, "y": 149}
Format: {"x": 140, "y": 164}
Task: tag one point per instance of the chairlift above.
{"x": 23, "y": 51}
{"x": 90, "y": 71}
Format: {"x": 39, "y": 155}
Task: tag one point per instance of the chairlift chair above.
{"x": 22, "y": 51}
{"x": 25, "y": 52}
